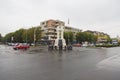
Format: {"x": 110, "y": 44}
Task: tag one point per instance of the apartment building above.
{"x": 50, "y": 29}
{"x": 101, "y": 37}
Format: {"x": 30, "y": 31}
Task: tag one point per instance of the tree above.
{"x": 30, "y": 35}
{"x": 85, "y": 36}
{"x": 18, "y": 35}
{"x": 8, "y": 37}
{"x": 0, "y": 37}
{"x": 38, "y": 34}
{"x": 80, "y": 37}
{"x": 68, "y": 37}
{"x": 109, "y": 39}
{"x": 24, "y": 36}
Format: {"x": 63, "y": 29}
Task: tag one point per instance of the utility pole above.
{"x": 68, "y": 32}
{"x": 34, "y": 36}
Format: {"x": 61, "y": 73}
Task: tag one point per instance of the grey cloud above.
{"x": 85, "y": 14}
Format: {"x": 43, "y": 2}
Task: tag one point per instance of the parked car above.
{"x": 11, "y": 44}
{"x": 21, "y": 46}
{"x": 77, "y": 45}
{"x": 84, "y": 45}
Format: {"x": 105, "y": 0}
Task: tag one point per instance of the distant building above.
{"x": 72, "y": 29}
{"x": 101, "y": 37}
{"x": 115, "y": 42}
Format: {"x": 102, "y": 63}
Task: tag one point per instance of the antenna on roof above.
{"x": 68, "y": 21}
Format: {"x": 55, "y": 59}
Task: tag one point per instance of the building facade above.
{"x": 72, "y": 29}
{"x": 101, "y": 37}
{"x": 50, "y": 29}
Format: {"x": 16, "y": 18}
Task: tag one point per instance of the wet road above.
{"x": 78, "y": 64}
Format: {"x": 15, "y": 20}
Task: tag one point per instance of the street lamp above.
{"x": 12, "y": 38}
{"x": 26, "y": 36}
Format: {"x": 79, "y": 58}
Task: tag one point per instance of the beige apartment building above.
{"x": 51, "y": 29}
{"x": 101, "y": 37}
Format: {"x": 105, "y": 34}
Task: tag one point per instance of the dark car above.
{"x": 21, "y": 46}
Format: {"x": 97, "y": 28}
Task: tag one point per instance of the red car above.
{"x": 21, "y": 46}
{"x": 77, "y": 45}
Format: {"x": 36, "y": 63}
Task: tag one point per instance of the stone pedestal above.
{"x": 60, "y": 41}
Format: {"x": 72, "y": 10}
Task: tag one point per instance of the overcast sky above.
{"x": 96, "y": 15}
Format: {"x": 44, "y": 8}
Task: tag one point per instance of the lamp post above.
{"x": 12, "y": 38}
{"x": 26, "y": 36}
{"x": 68, "y": 32}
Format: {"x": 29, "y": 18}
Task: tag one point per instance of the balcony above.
{"x": 52, "y": 27}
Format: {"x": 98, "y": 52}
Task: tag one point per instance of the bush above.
{"x": 107, "y": 45}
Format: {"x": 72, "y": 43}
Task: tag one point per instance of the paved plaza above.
{"x": 79, "y": 64}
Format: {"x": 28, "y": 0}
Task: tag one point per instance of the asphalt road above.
{"x": 78, "y": 64}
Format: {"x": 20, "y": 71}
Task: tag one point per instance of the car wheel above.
{"x": 15, "y": 48}
{"x": 25, "y": 48}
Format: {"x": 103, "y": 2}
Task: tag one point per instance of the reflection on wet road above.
{"x": 78, "y": 64}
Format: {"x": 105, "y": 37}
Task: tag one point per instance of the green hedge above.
{"x": 107, "y": 45}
